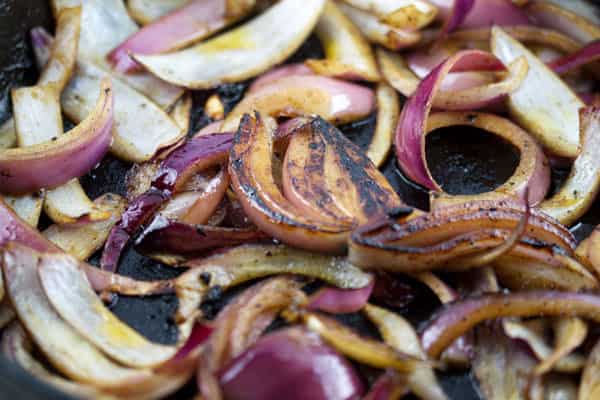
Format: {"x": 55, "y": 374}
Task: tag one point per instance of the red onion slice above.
{"x": 191, "y": 23}
{"x": 586, "y": 55}
{"x": 566, "y": 21}
{"x": 73, "y": 154}
{"x": 460, "y": 11}
{"x": 340, "y": 301}
{"x": 410, "y": 148}
{"x": 494, "y": 12}
{"x": 277, "y": 73}
{"x": 290, "y": 364}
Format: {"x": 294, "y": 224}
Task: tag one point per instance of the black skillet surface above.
{"x": 464, "y": 160}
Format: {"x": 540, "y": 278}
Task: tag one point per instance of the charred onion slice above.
{"x": 402, "y": 14}
{"x": 184, "y": 26}
{"x": 410, "y": 143}
{"x": 146, "y": 11}
{"x": 553, "y": 16}
{"x": 358, "y": 348}
{"x": 241, "y": 323}
{"x": 532, "y": 173}
{"x": 83, "y": 240}
{"x": 552, "y": 119}
{"x": 332, "y": 99}
{"x": 180, "y": 238}
{"x": 379, "y": 32}
{"x": 71, "y": 295}
{"x": 51, "y": 164}
{"x": 399, "y": 334}
{"x": 457, "y": 318}
{"x": 348, "y": 54}
{"x": 244, "y": 263}
{"x": 387, "y": 118}
{"x": 247, "y": 50}
{"x": 577, "y": 194}
{"x": 65, "y": 349}
{"x": 180, "y": 165}
{"x": 436, "y": 239}
{"x": 250, "y": 168}
{"x": 340, "y": 301}
{"x": 290, "y": 363}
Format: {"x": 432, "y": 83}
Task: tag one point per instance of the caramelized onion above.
{"x": 402, "y": 14}
{"x": 340, "y": 301}
{"x": 387, "y": 118}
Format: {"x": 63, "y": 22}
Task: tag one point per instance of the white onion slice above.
{"x": 348, "y": 54}
{"x": 27, "y": 207}
{"x": 543, "y": 103}
{"x": 396, "y": 72}
{"x": 71, "y": 294}
{"x": 402, "y": 14}
{"x": 146, "y": 11}
{"x": 247, "y": 50}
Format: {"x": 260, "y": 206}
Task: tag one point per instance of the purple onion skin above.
{"x": 196, "y": 154}
{"x": 585, "y": 55}
{"x": 458, "y": 14}
{"x": 291, "y": 364}
{"x": 180, "y": 238}
{"x": 14, "y": 229}
{"x": 340, "y": 301}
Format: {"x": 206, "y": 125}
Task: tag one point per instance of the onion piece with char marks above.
{"x": 347, "y": 54}
{"x": 457, "y": 318}
{"x": 402, "y": 14}
{"x": 184, "y": 26}
{"x": 577, "y": 194}
{"x": 51, "y": 164}
{"x": 248, "y": 50}
{"x": 379, "y": 32}
{"x": 552, "y": 119}
{"x": 332, "y": 99}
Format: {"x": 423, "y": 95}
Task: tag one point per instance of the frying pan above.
{"x": 463, "y": 160}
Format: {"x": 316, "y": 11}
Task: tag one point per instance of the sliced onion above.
{"x": 241, "y": 323}
{"x": 237, "y": 265}
{"x": 359, "y": 348}
{"x": 586, "y": 55}
{"x": 8, "y": 136}
{"x": 292, "y": 96}
{"x": 71, "y": 295}
{"x": 181, "y": 164}
{"x": 552, "y": 119}
{"x": 459, "y": 11}
{"x": 250, "y": 168}
{"x": 569, "y": 334}
{"x": 396, "y": 72}
{"x": 589, "y": 387}
{"x": 494, "y": 12}
{"x": 555, "y": 17}
{"x": 27, "y": 207}
{"x": 378, "y": 32}
{"x": 81, "y": 241}
{"x": 348, "y": 54}
{"x": 182, "y": 112}
{"x": 387, "y": 118}
{"x": 51, "y": 164}
{"x": 457, "y": 318}
{"x": 184, "y": 26}
{"x": 402, "y": 14}
{"x": 277, "y": 73}
{"x": 180, "y": 238}
{"x": 389, "y": 385}
{"x": 531, "y": 332}
{"x": 340, "y": 301}
{"x": 399, "y": 334}
{"x": 146, "y": 11}
{"x": 532, "y": 173}
{"x": 247, "y": 50}
{"x": 580, "y": 7}
{"x": 577, "y": 194}
{"x": 69, "y": 204}
{"x": 410, "y": 143}
{"x": 292, "y": 364}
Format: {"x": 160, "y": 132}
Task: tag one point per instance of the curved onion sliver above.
{"x": 358, "y": 348}
{"x": 348, "y": 54}
{"x": 250, "y": 168}
{"x": 532, "y": 173}
{"x": 387, "y": 118}
{"x": 399, "y": 334}
{"x": 457, "y": 318}
{"x": 402, "y": 14}
{"x": 577, "y": 194}
{"x": 396, "y": 72}
{"x": 83, "y": 240}
{"x": 65, "y": 349}
{"x": 71, "y": 295}
{"x": 552, "y": 119}
{"x": 378, "y": 32}
{"x": 184, "y": 26}
{"x": 571, "y": 24}
{"x": 247, "y": 50}
{"x": 459, "y": 11}
{"x": 244, "y": 263}
{"x": 585, "y": 55}
{"x": 410, "y": 143}
{"x": 332, "y": 99}
{"x": 569, "y": 333}
{"x": 51, "y": 164}
{"x": 146, "y": 11}
{"x": 290, "y": 355}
